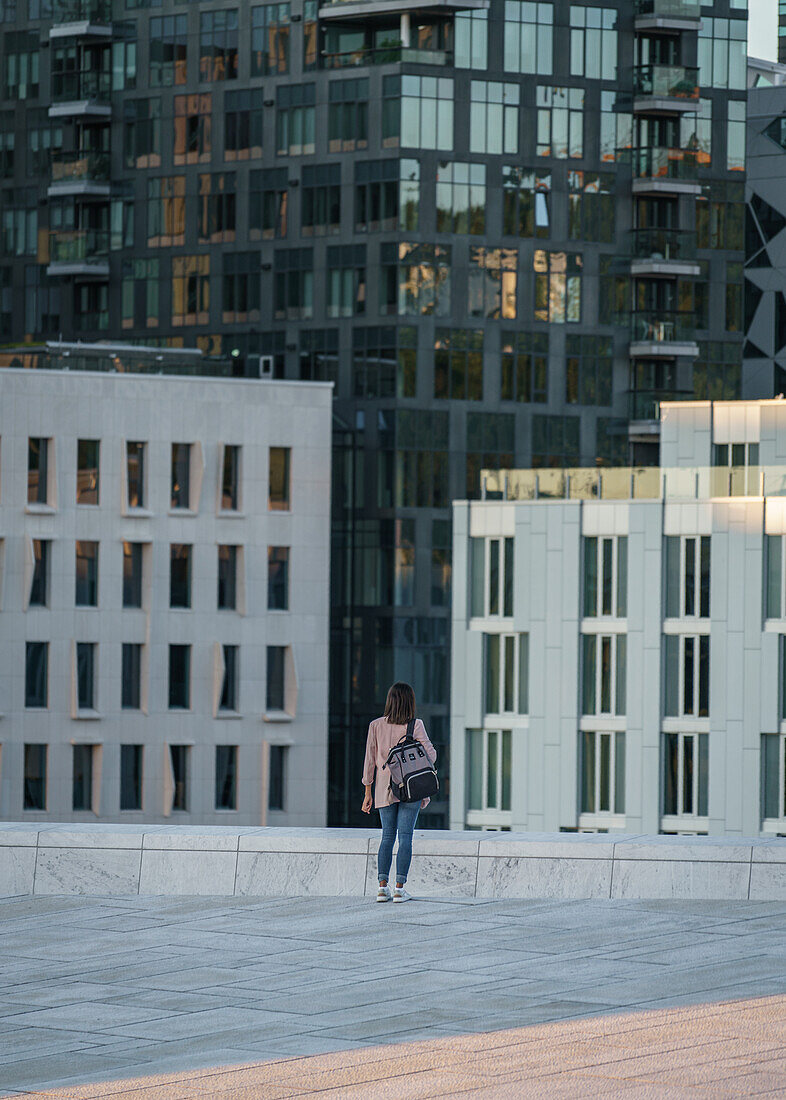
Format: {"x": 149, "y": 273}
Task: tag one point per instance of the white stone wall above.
{"x": 159, "y": 410}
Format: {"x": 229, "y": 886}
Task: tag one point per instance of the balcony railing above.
{"x": 645, "y": 404}
{"x": 666, "y": 82}
{"x": 74, "y": 87}
{"x": 80, "y": 168}
{"x": 386, "y": 55}
{"x": 79, "y": 246}
{"x": 669, "y": 9}
{"x": 662, "y": 327}
{"x": 79, "y": 11}
{"x": 663, "y": 244}
{"x": 662, "y": 163}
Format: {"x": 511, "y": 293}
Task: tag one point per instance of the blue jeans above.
{"x": 399, "y": 818}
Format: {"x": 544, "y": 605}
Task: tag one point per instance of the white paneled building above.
{"x": 164, "y": 565}
{"x": 618, "y": 638}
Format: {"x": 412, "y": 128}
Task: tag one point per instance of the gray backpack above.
{"x": 412, "y": 775}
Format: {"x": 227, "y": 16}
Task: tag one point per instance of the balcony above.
{"x": 665, "y": 171}
{"x": 644, "y": 405}
{"x": 667, "y": 15}
{"x": 81, "y": 19}
{"x": 80, "y": 174}
{"x": 82, "y": 252}
{"x": 364, "y": 10}
{"x": 85, "y": 93}
{"x": 386, "y": 55}
{"x": 656, "y": 333}
{"x": 665, "y": 89}
{"x": 663, "y": 252}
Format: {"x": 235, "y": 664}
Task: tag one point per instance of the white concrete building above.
{"x": 618, "y": 638}
{"x": 164, "y": 567}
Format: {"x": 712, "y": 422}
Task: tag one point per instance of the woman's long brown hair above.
{"x": 400, "y": 704}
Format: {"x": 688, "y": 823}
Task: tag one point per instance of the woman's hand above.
{"x": 368, "y": 803}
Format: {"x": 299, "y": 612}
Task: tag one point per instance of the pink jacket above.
{"x": 382, "y": 736}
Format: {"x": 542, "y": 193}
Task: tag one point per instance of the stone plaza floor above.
{"x": 252, "y": 999}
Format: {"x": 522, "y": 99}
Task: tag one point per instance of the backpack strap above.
{"x": 411, "y": 729}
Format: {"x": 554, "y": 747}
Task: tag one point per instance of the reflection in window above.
{"x": 526, "y": 202}
{"x": 132, "y": 574}
{"x": 190, "y": 290}
{"x": 384, "y": 361}
{"x": 279, "y": 477}
{"x": 348, "y": 115}
{"x": 427, "y": 112}
{"x": 135, "y": 474}
{"x": 86, "y": 574}
{"x": 492, "y": 282}
{"x": 217, "y": 207}
{"x": 560, "y": 122}
{"x": 591, "y": 206}
{"x": 267, "y": 204}
{"x": 270, "y": 39}
{"x": 39, "y": 589}
{"x": 295, "y": 119}
{"x": 193, "y": 128}
{"x": 404, "y": 563}
{"x": 555, "y": 441}
{"x": 178, "y": 758}
{"x": 387, "y": 195}
{"x": 494, "y": 117}
{"x": 593, "y": 43}
{"x": 461, "y": 197}
{"x": 458, "y": 364}
{"x": 557, "y": 286}
{"x": 180, "y": 496}
{"x": 528, "y": 37}
{"x": 525, "y": 359}
{"x": 346, "y": 280}
{"x": 218, "y": 38}
{"x": 490, "y": 445}
{"x": 735, "y": 136}
{"x": 616, "y": 129}
{"x": 168, "y": 55}
{"x": 423, "y": 278}
{"x": 319, "y": 354}
{"x": 723, "y": 53}
{"x": 166, "y": 211}
{"x": 87, "y": 471}
{"x": 242, "y": 125}
{"x": 37, "y": 470}
{"x": 588, "y": 370}
{"x": 470, "y": 38}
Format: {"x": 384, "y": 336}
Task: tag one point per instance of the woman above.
{"x": 397, "y": 817}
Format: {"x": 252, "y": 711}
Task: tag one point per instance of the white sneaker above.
{"x": 384, "y": 894}
{"x": 400, "y": 894}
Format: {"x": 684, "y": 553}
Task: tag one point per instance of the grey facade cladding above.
{"x": 423, "y": 407}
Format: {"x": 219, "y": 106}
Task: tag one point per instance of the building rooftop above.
{"x": 126, "y": 359}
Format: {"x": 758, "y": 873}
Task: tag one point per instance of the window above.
{"x": 36, "y": 674}
{"x": 20, "y": 230}
{"x": 180, "y": 496}
{"x": 613, "y": 293}
{"x": 384, "y": 361}
{"x": 526, "y": 202}
{"x": 489, "y": 770}
{"x": 492, "y": 282}
{"x": 593, "y": 43}
{"x": 131, "y": 777}
{"x": 506, "y": 673}
{"x": 470, "y": 39}
{"x": 557, "y": 286}
{"x": 193, "y": 128}
{"x": 560, "y": 122}
{"x": 85, "y": 675}
{"x": 735, "y": 297}
{"x": 346, "y": 280}
{"x": 603, "y": 673}
{"x": 461, "y": 197}
{"x": 387, "y": 195}
{"x": 132, "y": 574}
{"x": 413, "y": 463}
{"x": 555, "y": 441}
{"x": 168, "y": 57}
{"x": 458, "y": 364}
{"x": 736, "y": 469}
{"x": 588, "y": 370}
{"x": 295, "y": 119}
{"x": 180, "y": 575}
{"x": 277, "y": 774}
{"x": 178, "y": 758}
{"x": 602, "y": 772}
{"x": 38, "y": 471}
{"x": 348, "y": 115}
{"x": 217, "y": 207}
{"x": 294, "y": 284}
{"x": 321, "y": 203}
{"x": 491, "y": 577}
{"x": 230, "y": 479}
{"x": 276, "y": 663}
{"x": 773, "y": 776}
{"x": 86, "y": 574}
{"x": 190, "y": 290}
{"x": 616, "y": 132}
{"x": 735, "y": 136}
{"x": 87, "y": 471}
{"x": 270, "y": 40}
{"x": 230, "y": 682}
{"x": 242, "y": 126}
{"x": 685, "y": 774}
{"x": 591, "y": 206}
{"x": 227, "y": 578}
{"x": 131, "y": 677}
{"x": 687, "y": 577}
{"x": 278, "y": 578}
{"x": 39, "y": 588}
{"x": 720, "y": 216}
{"x": 494, "y": 117}
{"x": 135, "y": 474}
{"x": 35, "y": 777}
{"x": 525, "y": 358}
{"x": 319, "y": 354}
{"x": 687, "y": 675}
{"x": 267, "y": 204}
{"x": 21, "y": 73}
{"x": 774, "y": 590}
{"x": 528, "y": 37}
{"x": 440, "y": 563}
{"x": 605, "y": 577}
{"x": 279, "y": 479}
{"x": 310, "y": 32}
{"x": 490, "y": 445}
{"x": 722, "y": 53}
{"x": 717, "y": 376}
{"x": 240, "y": 288}
{"x": 415, "y": 279}
{"x": 166, "y": 211}
{"x": 226, "y": 777}
{"x": 218, "y": 45}
{"x": 180, "y": 677}
{"x": 44, "y": 143}
{"x": 142, "y": 132}
{"x": 426, "y": 118}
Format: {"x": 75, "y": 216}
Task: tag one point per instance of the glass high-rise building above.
{"x": 505, "y": 229}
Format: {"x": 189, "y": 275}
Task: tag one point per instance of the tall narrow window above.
{"x": 131, "y": 777}
{"x": 227, "y": 578}
{"x": 277, "y": 775}
{"x": 132, "y": 574}
{"x": 131, "y": 681}
{"x": 685, "y": 774}
{"x": 36, "y": 674}
{"x": 276, "y": 661}
{"x": 489, "y": 773}
{"x": 231, "y": 681}
{"x": 178, "y": 755}
{"x": 39, "y": 589}
{"x": 226, "y": 777}
{"x": 135, "y": 474}
{"x": 34, "y": 797}
{"x": 775, "y": 587}
{"x": 278, "y": 498}
{"x": 87, "y": 574}
{"x": 602, "y": 772}
{"x": 278, "y": 578}
{"x": 605, "y": 576}
{"x": 477, "y": 591}
{"x": 230, "y": 479}
{"x": 604, "y": 673}
{"x": 687, "y": 580}
{"x": 180, "y": 575}
{"x": 179, "y": 677}
{"x": 37, "y": 471}
{"x": 181, "y": 475}
{"x": 506, "y": 673}
{"x": 82, "y": 785}
{"x": 87, "y": 471}
{"x": 85, "y": 675}
{"x": 687, "y": 675}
